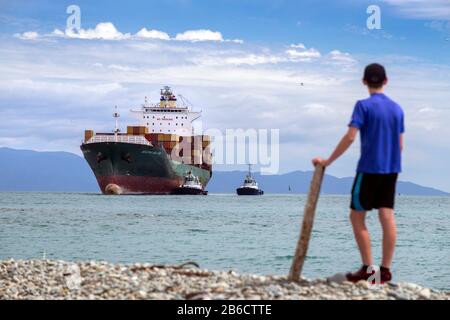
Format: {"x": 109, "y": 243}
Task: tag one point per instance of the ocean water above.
{"x": 245, "y": 234}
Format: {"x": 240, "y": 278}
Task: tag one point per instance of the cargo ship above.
{"x": 154, "y": 156}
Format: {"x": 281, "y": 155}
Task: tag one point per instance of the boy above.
{"x": 381, "y": 123}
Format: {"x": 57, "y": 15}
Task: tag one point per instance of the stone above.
{"x": 337, "y": 278}
{"x": 363, "y": 284}
{"x": 425, "y": 293}
{"x": 36, "y": 279}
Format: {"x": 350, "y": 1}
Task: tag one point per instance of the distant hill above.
{"x": 25, "y": 170}
{"x": 299, "y": 182}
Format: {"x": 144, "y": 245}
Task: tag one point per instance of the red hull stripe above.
{"x": 138, "y": 185}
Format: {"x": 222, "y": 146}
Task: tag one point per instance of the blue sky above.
{"x": 245, "y": 71}
{"x": 260, "y": 21}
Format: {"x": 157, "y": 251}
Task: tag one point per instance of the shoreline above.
{"x": 57, "y": 279}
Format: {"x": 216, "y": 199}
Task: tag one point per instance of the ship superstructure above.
{"x": 167, "y": 116}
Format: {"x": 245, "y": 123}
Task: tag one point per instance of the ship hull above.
{"x": 126, "y": 168}
{"x": 243, "y": 191}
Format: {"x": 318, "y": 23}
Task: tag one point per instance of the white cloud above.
{"x": 423, "y": 9}
{"x": 318, "y": 110}
{"x": 298, "y": 46}
{"x": 375, "y": 34}
{"x": 107, "y": 31}
{"x": 30, "y": 35}
{"x": 297, "y": 54}
{"x": 254, "y": 59}
{"x": 303, "y": 54}
{"x": 203, "y": 35}
{"x": 341, "y": 57}
{"x": 199, "y": 35}
{"x": 119, "y": 67}
{"x": 152, "y": 34}
{"x": 103, "y": 30}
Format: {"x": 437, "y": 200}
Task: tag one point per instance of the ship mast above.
{"x": 116, "y": 116}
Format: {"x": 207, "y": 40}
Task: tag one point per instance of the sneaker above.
{"x": 359, "y": 275}
{"x": 385, "y": 275}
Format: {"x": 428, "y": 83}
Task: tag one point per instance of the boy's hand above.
{"x": 319, "y": 160}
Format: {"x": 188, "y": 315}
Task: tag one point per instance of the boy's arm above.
{"x": 401, "y": 142}
{"x": 343, "y": 145}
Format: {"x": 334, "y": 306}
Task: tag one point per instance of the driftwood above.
{"x": 307, "y": 225}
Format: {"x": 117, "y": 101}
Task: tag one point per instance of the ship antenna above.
{"x": 249, "y": 170}
{"x": 116, "y": 116}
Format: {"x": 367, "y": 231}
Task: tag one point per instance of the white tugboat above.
{"x": 250, "y": 186}
{"x": 190, "y": 186}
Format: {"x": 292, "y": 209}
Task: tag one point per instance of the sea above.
{"x": 221, "y": 232}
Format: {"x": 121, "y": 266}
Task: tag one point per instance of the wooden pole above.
{"x": 307, "y": 225}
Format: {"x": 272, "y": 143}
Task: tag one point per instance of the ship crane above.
{"x": 186, "y": 103}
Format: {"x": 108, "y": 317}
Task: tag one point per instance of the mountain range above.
{"x": 26, "y": 170}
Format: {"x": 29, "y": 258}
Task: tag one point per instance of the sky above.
{"x": 241, "y": 62}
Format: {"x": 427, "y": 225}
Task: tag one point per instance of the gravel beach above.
{"x": 55, "y": 279}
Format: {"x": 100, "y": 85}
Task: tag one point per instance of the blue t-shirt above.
{"x": 381, "y": 122}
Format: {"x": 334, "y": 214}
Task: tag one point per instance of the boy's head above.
{"x": 375, "y": 76}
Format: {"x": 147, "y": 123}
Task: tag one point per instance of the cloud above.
{"x": 341, "y": 57}
{"x": 254, "y": 59}
{"x": 30, "y": 35}
{"x": 107, "y": 31}
{"x": 152, "y": 34}
{"x": 120, "y": 67}
{"x": 375, "y": 34}
{"x": 298, "y": 46}
{"x": 440, "y": 26}
{"x": 199, "y": 35}
{"x": 103, "y": 30}
{"x": 203, "y": 35}
{"x": 423, "y": 9}
{"x": 299, "y": 52}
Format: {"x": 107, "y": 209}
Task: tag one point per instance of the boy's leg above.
{"x": 362, "y": 236}
{"x": 387, "y": 221}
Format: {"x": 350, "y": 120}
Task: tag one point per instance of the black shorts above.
{"x": 373, "y": 191}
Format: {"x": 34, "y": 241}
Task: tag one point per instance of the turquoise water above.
{"x": 246, "y": 234}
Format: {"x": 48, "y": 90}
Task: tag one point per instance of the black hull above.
{"x": 189, "y": 191}
{"x": 249, "y": 192}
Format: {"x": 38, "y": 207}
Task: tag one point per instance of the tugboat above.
{"x": 250, "y": 186}
{"x": 190, "y": 186}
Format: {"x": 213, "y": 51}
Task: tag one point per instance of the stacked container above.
{"x": 137, "y": 130}
{"x": 88, "y": 134}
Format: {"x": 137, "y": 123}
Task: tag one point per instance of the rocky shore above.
{"x": 54, "y": 279}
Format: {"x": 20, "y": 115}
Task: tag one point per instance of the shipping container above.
{"x": 88, "y": 134}
{"x": 137, "y": 130}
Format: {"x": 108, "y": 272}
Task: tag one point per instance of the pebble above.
{"x": 56, "y": 279}
{"x": 363, "y": 284}
{"x": 337, "y": 278}
{"x": 425, "y": 293}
